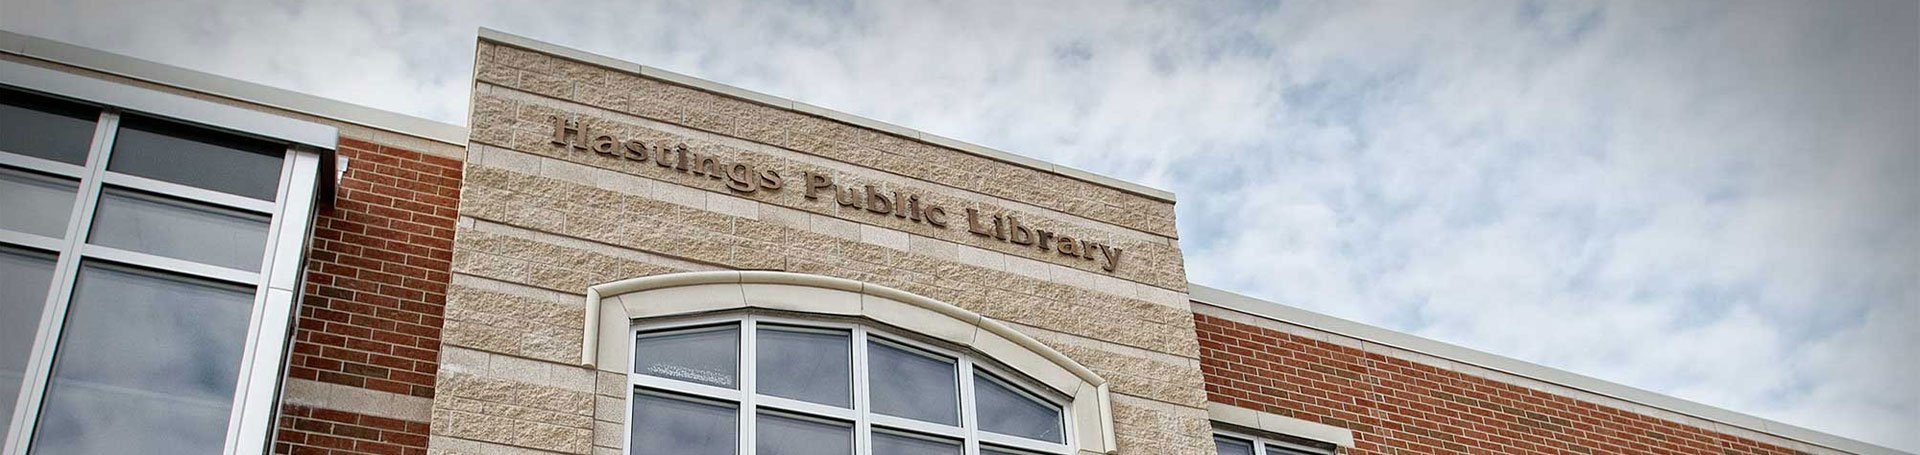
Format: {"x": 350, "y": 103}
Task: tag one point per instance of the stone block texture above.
{"x": 1396, "y": 406}
{"x": 538, "y": 223}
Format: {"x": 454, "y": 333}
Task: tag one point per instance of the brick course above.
{"x": 314, "y": 431}
{"x": 1396, "y": 406}
{"x": 377, "y": 273}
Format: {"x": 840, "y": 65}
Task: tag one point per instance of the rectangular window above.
{"x": 139, "y": 310}
{"x": 1239, "y": 444}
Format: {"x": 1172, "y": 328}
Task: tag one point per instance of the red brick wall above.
{"x": 377, "y": 273}
{"x": 1397, "y": 406}
{"x": 314, "y": 431}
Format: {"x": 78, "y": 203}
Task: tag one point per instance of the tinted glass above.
{"x": 780, "y": 435}
{"x": 147, "y": 361}
{"x": 1277, "y": 450}
{"x": 707, "y": 355}
{"x": 1230, "y": 446}
{"x": 912, "y": 385}
{"x": 999, "y": 451}
{"x": 25, "y": 277}
{"x": 810, "y": 366}
{"x": 197, "y": 157}
{"x": 178, "y": 229}
{"x": 892, "y": 444}
{"x": 668, "y": 426}
{"x": 35, "y": 203}
{"x": 44, "y": 128}
{"x": 1002, "y": 410}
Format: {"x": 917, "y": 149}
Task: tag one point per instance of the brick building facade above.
{"x": 526, "y": 284}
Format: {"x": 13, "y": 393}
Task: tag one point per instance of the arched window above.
{"x": 773, "y": 363}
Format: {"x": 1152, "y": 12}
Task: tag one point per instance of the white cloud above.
{"x": 1710, "y": 199}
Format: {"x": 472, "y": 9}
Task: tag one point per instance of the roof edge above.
{"x": 1399, "y": 340}
{"x": 225, "y": 87}
{"x": 523, "y": 42}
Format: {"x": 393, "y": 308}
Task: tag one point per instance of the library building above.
{"x": 615, "y": 259}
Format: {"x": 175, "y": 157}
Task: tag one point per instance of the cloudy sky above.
{"x": 1711, "y": 199}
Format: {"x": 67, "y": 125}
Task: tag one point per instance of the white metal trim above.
{"x": 885, "y": 422}
{"x": 34, "y": 242}
{"x": 256, "y": 390}
{"x": 169, "y": 105}
{"x": 749, "y": 391}
{"x": 1260, "y": 444}
{"x": 193, "y": 193}
{"x": 1001, "y": 440}
{"x": 862, "y": 399}
{"x": 969, "y": 414}
{"x": 225, "y": 87}
{"x": 42, "y": 165}
{"x": 179, "y": 266}
{"x": 250, "y": 420}
{"x": 862, "y": 420}
{"x": 297, "y": 213}
{"x": 39, "y": 365}
{"x": 804, "y": 407}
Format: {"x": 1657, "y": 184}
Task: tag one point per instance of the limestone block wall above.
{"x": 540, "y": 221}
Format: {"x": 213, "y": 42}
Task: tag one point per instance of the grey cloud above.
{"x": 1712, "y": 199}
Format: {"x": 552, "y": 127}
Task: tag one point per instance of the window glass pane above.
{"x": 146, "y": 361}
{"x": 25, "y": 277}
{"x": 811, "y": 366}
{"x": 1230, "y": 446}
{"x": 35, "y": 203}
{"x": 1278, "y": 450}
{"x": 44, "y": 128}
{"x": 985, "y": 450}
{"x": 706, "y": 355}
{"x": 912, "y": 385}
{"x": 668, "y": 426}
{"x": 886, "y": 443}
{"x": 1002, "y": 410}
{"x": 178, "y": 229}
{"x": 198, "y": 157}
{"x": 781, "y": 435}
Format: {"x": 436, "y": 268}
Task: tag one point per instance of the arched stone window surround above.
{"x": 612, "y": 308}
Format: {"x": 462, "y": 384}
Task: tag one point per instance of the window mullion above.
{"x": 44, "y": 165}
{"x": 31, "y": 241}
{"x": 66, "y": 267}
{"x": 862, "y": 428}
{"x": 197, "y": 194}
{"x": 968, "y": 420}
{"x": 250, "y": 420}
{"x": 749, "y": 386}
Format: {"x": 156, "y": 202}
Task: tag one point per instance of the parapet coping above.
{"x": 225, "y": 87}
{"x": 1368, "y": 334}
{"x": 843, "y": 117}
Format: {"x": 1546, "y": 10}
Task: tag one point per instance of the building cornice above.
{"x": 224, "y": 87}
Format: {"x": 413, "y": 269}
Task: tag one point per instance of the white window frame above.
{"x": 861, "y": 418}
{"x": 276, "y": 285}
{"x": 1260, "y": 443}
